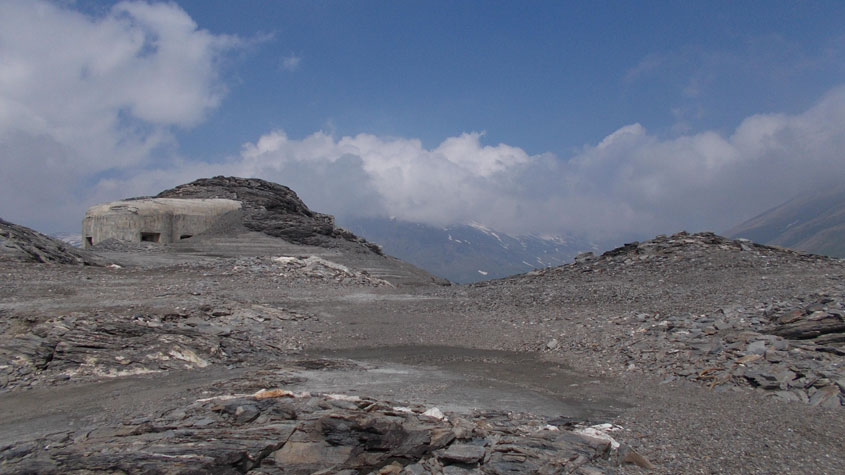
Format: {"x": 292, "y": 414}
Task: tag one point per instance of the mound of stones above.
{"x": 668, "y": 307}
{"x": 21, "y": 244}
{"x": 274, "y": 431}
{"x": 793, "y": 352}
{"x": 315, "y": 267}
{"x": 272, "y": 209}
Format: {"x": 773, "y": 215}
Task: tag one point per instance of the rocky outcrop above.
{"x": 275, "y": 431}
{"x": 88, "y": 346}
{"x": 272, "y": 209}
{"x": 21, "y": 244}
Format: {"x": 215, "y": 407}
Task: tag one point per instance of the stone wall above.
{"x": 161, "y": 220}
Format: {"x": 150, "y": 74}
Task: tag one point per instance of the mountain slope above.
{"x": 466, "y": 253}
{"x": 812, "y": 222}
{"x": 21, "y": 244}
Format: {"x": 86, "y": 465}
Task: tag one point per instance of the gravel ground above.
{"x": 600, "y": 317}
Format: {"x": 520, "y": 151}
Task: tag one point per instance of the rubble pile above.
{"x": 274, "y": 431}
{"x": 314, "y": 267}
{"x": 794, "y": 353}
{"x": 694, "y": 306}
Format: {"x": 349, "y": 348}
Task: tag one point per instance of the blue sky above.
{"x": 548, "y": 78}
{"x": 614, "y": 119}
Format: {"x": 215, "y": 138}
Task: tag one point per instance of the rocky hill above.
{"x": 271, "y": 209}
{"x": 470, "y": 252}
{"x": 812, "y": 222}
{"x": 272, "y": 222}
{"x": 21, "y": 244}
{"x": 700, "y": 307}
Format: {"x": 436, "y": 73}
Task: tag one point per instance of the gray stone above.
{"x": 763, "y": 380}
{"x": 785, "y": 376}
{"x": 757, "y": 347}
{"x": 787, "y": 396}
{"x": 628, "y": 455}
{"x": 824, "y": 394}
{"x": 414, "y": 469}
{"x": 463, "y": 453}
{"x": 781, "y": 344}
{"x": 246, "y": 413}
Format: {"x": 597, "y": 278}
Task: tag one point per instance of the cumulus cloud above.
{"x": 82, "y": 96}
{"x": 631, "y": 183}
{"x": 389, "y": 176}
{"x": 88, "y": 106}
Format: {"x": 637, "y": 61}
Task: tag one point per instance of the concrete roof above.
{"x": 154, "y": 206}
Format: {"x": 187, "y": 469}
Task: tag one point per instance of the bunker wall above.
{"x": 155, "y": 220}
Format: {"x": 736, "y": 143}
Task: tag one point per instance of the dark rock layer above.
{"x": 21, "y": 244}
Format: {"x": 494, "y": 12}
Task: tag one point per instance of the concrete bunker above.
{"x": 154, "y": 220}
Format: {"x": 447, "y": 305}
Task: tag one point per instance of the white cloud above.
{"x": 291, "y": 62}
{"x": 82, "y": 96}
{"x": 88, "y": 104}
{"x": 630, "y": 183}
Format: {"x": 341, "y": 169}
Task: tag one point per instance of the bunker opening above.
{"x": 89, "y": 240}
{"x": 186, "y": 236}
{"x": 150, "y": 237}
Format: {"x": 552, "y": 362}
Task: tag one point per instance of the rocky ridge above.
{"x": 21, "y": 244}
{"x": 272, "y": 209}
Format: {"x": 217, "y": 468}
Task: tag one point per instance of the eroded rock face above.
{"x": 274, "y": 431}
{"x": 21, "y": 244}
{"x": 86, "y": 346}
{"x": 270, "y": 208}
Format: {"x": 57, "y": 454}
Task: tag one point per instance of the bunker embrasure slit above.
{"x": 150, "y": 237}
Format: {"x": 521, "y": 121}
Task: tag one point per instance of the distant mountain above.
{"x": 467, "y": 253}
{"x": 812, "y": 222}
{"x": 74, "y": 239}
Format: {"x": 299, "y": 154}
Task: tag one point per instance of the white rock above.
{"x": 343, "y": 397}
{"x": 285, "y": 260}
{"x": 600, "y": 432}
{"x": 435, "y": 413}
